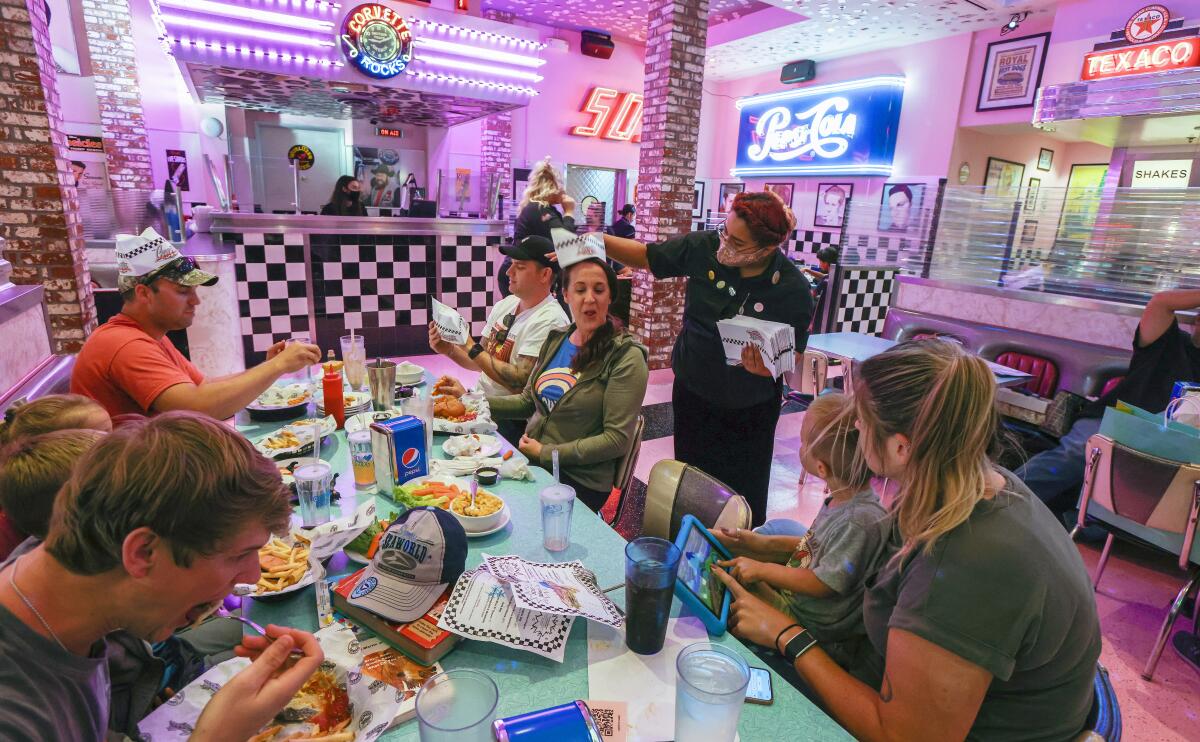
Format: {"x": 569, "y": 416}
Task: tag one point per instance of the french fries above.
{"x": 337, "y": 734}
{"x": 282, "y": 564}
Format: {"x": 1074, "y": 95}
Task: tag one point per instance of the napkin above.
{"x": 451, "y": 325}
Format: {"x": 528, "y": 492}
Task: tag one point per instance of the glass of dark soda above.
{"x": 650, "y": 565}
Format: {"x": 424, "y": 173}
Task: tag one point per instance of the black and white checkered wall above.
{"x": 804, "y": 243}
{"x": 271, "y": 289}
{"x": 863, "y": 298}
{"x": 466, "y": 277}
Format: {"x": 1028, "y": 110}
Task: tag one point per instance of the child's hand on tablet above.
{"x": 739, "y": 541}
{"x": 745, "y": 570}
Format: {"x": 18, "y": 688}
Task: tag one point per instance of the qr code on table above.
{"x": 610, "y": 719}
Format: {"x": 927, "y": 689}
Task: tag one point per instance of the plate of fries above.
{"x": 294, "y": 439}
{"x": 285, "y": 567}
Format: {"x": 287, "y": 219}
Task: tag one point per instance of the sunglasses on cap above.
{"x": 180, "y": 266}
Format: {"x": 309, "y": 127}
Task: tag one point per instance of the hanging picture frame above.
{"x": 698, "y": 198}
{"x": 1045, "y": 159}
{"x": 900, "y": 210}
{"x": 727, "y": 192}
{"x": 1031, "y": 193}
{"x": 783, "y": 190}
{"x": 1003, "y": 178}
{"x": 831, "y": 203}
{"x": 1012, "y": 72}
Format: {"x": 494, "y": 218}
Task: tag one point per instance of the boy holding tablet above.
{"x": 818, "y": 574}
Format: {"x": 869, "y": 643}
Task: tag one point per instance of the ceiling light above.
{"x": 1013, "y": 22}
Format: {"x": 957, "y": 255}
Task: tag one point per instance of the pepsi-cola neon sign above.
{"x": 847, "y": 128}
{"x": 615, "y": 115}
{"x": 377, "y": 40}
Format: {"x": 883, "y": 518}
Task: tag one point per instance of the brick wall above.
{"x": 678, "y": 31}
{"x": 39, "y": 210}
{"x": 114, "y": 64}
{"x": 496, "y": 147}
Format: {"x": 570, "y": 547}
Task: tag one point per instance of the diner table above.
{"x": 855, "y": 347}
{"x": 528, "y": 682}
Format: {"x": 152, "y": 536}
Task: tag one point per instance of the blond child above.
{"x": 53, "y": 412}
{"x": 817, "y": 574}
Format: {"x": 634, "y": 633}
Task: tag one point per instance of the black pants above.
{"x": 594, "y": 499}
{"x": 511, "y": 430}
{"x": 734, "y": 446}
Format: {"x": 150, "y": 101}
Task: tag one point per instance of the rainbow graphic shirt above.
{"x": 558, "y": 378}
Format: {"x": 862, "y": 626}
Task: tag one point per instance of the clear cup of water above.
{"x": 710, "y": 687}
{"x": 457, "y": 706}
{"x": 558, "y": 500}
{"x": 314, "y": 481}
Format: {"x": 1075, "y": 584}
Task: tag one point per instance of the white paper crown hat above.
{"x": 583, "y": 247}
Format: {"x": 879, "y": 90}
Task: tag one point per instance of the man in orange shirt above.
{"x": 129, "y": 366}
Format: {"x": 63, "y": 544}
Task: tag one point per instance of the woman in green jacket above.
{"x": 585, "y": 392}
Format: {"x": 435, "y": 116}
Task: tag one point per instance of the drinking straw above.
{"x": 316, "y": 445}
{"x": 554, "y": 458}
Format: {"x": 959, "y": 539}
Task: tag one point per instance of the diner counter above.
{"x": 299, "y": 274}
{"x": 526, "y": 681}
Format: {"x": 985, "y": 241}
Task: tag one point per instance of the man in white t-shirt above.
{"x": 516, "y": 327}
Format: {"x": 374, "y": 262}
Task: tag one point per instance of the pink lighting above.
{"x": 248, "y": 31}
{"x": 229, "y": 10}
{"x": 476, "y": 52}
{"x": 455, "y": 30}
{"x": 471, "y": 83}
{"x": 246, "y": 51}
{"x": 457, "y": 64}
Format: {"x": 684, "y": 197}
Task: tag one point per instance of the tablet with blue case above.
{"x": 695, "y": 584}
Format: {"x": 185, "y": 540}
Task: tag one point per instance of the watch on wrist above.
{"x": 798, "y": 645}
{"x": 474, "y": 352}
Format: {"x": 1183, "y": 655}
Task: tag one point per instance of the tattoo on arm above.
{"x": 513, "y": 375}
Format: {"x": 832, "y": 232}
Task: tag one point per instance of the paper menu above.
{"x": 480, "y": 608}
{"x": 450, "y": 324}
{"x": 775, "y": 341}
{"x": 566, "y": 589}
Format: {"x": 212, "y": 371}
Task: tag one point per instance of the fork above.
{"x": 258, "y": 628}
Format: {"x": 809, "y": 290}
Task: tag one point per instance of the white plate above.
{"x": 459, "y": 482}
{"x": 355, "y": 556}
{"x": 499, "y": 526}
{"x": 350, "y": 399}
{"x": 489, "y": 445}
{"x": 277, "y": 392}
{"x": 481, "y": 423}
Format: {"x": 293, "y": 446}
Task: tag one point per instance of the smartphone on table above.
{"x": 759, "y": 690}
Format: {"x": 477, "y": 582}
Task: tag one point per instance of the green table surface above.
{"x": 526, "y": 681}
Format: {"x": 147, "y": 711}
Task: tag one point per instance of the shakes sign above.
{"x": 847, "y": 128}
{"x": 377, "y": 40}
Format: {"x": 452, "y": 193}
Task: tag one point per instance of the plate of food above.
{"x": 285, "y": 567}
{"x": 466, "y": 414}
{"x": 472, "y": 445}
{"x": 488, "y": 515}
{"x": 362, "y": 548}
{"x": 294, "y": 439}
{"x": 353, "y": 401}
{"x": 341, "y": 702}
{"x": 280, "y": 402}
{"x": 430, "y": 491}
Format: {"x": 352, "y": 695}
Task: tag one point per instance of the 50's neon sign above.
{"x": 846, "y": 128}
{"x": 615, "y": 115}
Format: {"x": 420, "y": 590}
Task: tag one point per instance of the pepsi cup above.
{"x": 399, "y": 449}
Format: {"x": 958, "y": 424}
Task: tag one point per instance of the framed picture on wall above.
{"x": 1012, "y": 72}
{"x": 520, "y": 181}
{"x": 727, "y": 192}
{"x": 1003, "y": 178}
{"x": 1031, "y": 193}
{"x": 1045, "y": 159}
{"x": 783, "y": 190}
{"x": 901, "y": 207}
{"x": 698, "y": 199}
{"x": 1081, "y": 203}
{"x": 832, "y": 198}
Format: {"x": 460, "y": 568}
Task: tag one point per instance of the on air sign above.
{"x": 376, "y": 40}
{"x": 1139, "y": 60}
{"x": 846, "y": 128}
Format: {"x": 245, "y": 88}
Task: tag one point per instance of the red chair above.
{"x": 1045, "y": 374}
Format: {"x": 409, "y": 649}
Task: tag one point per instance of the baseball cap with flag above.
{"x": 145, "y": 257}
{"x": 419, "y": 556}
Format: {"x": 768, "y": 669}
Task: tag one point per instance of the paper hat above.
{"x": 140, "y": 256}
{"x": 419, "y": 556}
{"x": 577, "y": 249}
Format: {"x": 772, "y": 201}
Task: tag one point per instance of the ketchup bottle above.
{"x": 331, "y": 388}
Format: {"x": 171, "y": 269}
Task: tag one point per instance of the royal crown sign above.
{"x": 376, "y": 40}
{"x": 846, "y": 128}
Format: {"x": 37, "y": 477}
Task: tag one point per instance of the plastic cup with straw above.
{"x": 313, "y": 483}
{"x": 558, "y": 500}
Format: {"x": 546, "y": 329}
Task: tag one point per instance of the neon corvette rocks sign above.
{"x": 845, "y": 128}
{"x": 377, "y": 40}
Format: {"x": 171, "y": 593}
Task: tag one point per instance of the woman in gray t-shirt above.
{"x": 984, "y": 624}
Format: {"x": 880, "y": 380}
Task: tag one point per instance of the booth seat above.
{"x": 52, "y": 377}
{"x": 1082, "y": 368}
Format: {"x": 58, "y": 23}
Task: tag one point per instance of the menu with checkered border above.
{"x": 480, "y": 608}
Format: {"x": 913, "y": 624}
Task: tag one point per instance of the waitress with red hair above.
{"x": 725, "y": 416}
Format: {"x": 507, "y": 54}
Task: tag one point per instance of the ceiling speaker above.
{"x": 594, "y": 44}
{"x": 802, "y": 71}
